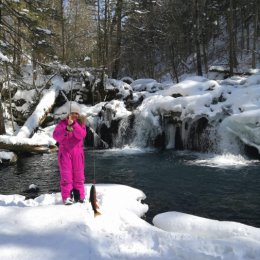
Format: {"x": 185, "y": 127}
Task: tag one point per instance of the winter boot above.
{"x": 68, "y": 201}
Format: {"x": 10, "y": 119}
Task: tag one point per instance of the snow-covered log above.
{"x": 41, "y": 111}
{"x": 28, "y": 148}
{"x": 226, "y": 70}
{"x": 31, "y": 145}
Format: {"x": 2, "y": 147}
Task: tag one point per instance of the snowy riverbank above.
{"x": 44, "y": 228}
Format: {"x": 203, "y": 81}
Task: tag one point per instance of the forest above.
{"x": 121, "y": 39}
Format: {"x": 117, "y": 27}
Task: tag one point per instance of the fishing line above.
{"x": 94, "y": 165}
{"x": 94, "y": 153}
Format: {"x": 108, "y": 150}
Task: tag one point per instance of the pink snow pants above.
{"x": 71, "y": 158}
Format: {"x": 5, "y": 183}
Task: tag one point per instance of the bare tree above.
{"x": 62, "y": 22}
{"x": 197, "y": 36}
{"x": 119, "y": 6}
{"x": 230, "y": 19}
{"x": 10, "y": 97}
{"x": 80, "y": 33}
{"x": 256, "y": 21}
{"x": 2, "y": 122}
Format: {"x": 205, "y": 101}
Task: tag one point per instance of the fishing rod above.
{"x": 71, "y": 85}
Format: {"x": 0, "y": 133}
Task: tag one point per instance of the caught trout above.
{"x": 93, "y": 200}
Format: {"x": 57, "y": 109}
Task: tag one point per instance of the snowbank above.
{"x": 204, "y": 228}
{"x": 7, "y": 156}
{"x": 44, "y": 228}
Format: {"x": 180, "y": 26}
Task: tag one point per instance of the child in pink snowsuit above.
{"x": 70, "y": 133}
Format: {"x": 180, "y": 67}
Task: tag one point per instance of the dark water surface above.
{"x": 217, "y": 187}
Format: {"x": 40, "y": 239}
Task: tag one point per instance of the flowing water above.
{"x": 222, "y": 187}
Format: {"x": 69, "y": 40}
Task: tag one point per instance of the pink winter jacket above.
{"x": 69, "y": 140}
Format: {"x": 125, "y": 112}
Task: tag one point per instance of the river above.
{"x": 223, "y": 187}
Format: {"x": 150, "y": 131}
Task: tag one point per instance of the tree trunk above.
{"x": 242, "y": 41}
{"x": 248, "y": 36}
{"x": 62, "y": 32}
{"x": 17, "y": 46}
{"x": 205, "y": 56}
{"x": 230, "y": 33}
{"x": 255, "y": 34}
{"x": 2, "y": 122}
{"x": 105, "y": 42}
{"x": 0, "y": 18}
{"x": 175, "y": 71}
{"x": 99, "y": 36}
{"x": 73, "y": 50}
{"x": 119, "y": 6}
{"x": 197, "y": 37}
{"x": 10, "y": 98}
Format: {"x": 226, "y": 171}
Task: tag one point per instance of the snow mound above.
{"x": 204, "y": 228}
{"x": 44, "y": 228}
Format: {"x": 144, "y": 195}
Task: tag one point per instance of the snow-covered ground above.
{"x": 44, "y": 228}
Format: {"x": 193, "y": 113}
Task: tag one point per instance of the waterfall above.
{"x": 170, "y": 132}
{"x": 125, "y": 132}
{"x": 166, "y": 129}
{"x": 228, "y": 142}
{"x": 146, "y": 128}
{"x": 199, "y": 134}
{"x": 143, "y": 130}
